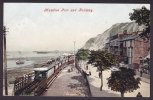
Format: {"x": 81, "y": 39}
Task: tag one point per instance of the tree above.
{"x": 142, "y": 16}
{"x": 123, "y": 81}
{"x": 102, "y": 60}
{"x": 82, "y": 54}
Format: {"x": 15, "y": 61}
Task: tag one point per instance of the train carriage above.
{"x": 42, "y": 77}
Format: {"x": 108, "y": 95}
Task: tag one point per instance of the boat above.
{"x": 19, "y": 62}
{"x": 42, "y": 52}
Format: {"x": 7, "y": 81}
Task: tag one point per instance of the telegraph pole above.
{"x": 74, "y": 53}
{"x": 5, "y": 60}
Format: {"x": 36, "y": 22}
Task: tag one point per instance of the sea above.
{"x": 29, "y": 58}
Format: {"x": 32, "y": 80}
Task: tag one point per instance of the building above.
{"x": 114, "y": 45}
{"x": 133, "y": 47}
{"x": 130, "y": 47}
{"x": 107, "y": 45}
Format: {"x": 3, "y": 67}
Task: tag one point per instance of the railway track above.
{"x": 38, "y": 86}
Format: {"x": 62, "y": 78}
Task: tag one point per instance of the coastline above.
{"x": 13, "y": 73}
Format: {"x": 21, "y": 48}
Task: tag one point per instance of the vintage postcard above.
{"x": 76, "y": 49}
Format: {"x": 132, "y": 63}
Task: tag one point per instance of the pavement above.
{"x": 95, "y": 83}
{"x": 67, "y": 84}
{"x": 144, "y": 78}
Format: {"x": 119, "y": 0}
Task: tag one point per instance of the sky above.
{"x": 31, "y": 28}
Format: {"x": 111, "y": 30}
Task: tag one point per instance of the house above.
{"x": 107, "y": 45}
{"x": 129, "y": 47}
{"x": 134, "y": 47}
{"x": 114, "y": 45}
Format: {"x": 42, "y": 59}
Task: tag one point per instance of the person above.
{"x": 99, "y": 74}
{"x": 141, "y": 73}
{"x": 87, "y": 67}
{"x": 139, "y": 94}
{"x": 89, "y": 72}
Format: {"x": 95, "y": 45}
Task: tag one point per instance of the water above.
{"x": 25, "y": 54}
{"x": 11, "y": 64}
{"x": 29, "y": 58}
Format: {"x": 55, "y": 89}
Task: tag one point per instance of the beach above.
{"x": 14, "y": 71}
{"x": 12, "y": 75}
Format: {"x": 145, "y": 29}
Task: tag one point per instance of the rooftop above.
{"x": 131, "y": 37}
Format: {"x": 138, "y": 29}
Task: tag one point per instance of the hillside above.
{"x": 99, "y": 41}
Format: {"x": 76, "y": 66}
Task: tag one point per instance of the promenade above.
{"x": 95, "y": 83}
{"x": 68, "y": 84}
{"x": 144, "y": 78}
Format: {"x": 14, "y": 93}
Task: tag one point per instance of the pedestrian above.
{"x": 99, "y": 74}
{"x": 141, "y": 73}
{"x": 87, "y": 67}
{"x": 139, "y": 94}
{"x": 89, "y": 72}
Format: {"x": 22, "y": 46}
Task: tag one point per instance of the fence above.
{"x": 22, "y": 82}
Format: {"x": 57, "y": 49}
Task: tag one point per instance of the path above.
{"x": 67, "y": 84}
{"x": 95, "y": 83}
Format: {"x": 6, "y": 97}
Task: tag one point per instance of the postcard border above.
{"x": 69, "y": 1}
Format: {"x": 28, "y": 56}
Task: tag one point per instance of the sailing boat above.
{"x": 19, "y": 61}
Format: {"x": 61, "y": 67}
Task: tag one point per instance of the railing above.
{"x": 21, "y": 83}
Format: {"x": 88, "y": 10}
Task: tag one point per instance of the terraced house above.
{"x": 130, "y": 47}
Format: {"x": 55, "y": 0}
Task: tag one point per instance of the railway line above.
{"x": 40, "y": 79}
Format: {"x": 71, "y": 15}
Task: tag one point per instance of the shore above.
{"x": 12, "y": 74}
